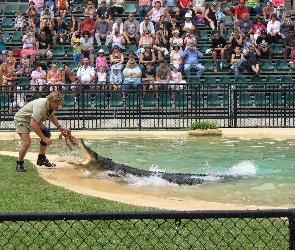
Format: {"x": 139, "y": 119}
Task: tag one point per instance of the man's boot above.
{"x": 43, "y": 161}
{"x": 20, "y": 166}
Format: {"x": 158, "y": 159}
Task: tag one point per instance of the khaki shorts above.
{"x": 22, "y": 127}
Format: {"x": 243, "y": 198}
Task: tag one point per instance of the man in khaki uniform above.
{"x": 31, "y": 118}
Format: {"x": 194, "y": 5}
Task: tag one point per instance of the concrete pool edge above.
{"x": 279, "y": 133}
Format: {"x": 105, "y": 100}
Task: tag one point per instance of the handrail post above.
{"x": 292, "y": 230}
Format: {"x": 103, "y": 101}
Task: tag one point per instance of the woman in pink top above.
{"x": 157, "y": 11}
{"x": 277, "y": 3}
{"x": 268, "y": 10}
{"x": 117, "y": 39}
{"x": 54, "y": 78}
{"x": 101, "y": 60}
{"x": 39, "y": 4}
{"x": 176, "y": 78}
{"x": 257, "y": 28}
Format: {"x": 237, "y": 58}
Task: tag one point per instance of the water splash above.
{"x": 244, "y": 168}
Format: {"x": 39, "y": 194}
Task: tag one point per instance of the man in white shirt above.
{"x": 146, "y": 25}
{"x": 86, "y": 75}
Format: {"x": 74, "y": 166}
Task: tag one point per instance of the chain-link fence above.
{"x": 256, "y": 229}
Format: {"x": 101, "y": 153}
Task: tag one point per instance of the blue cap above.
{"x": 264, "y": 32}
{"x": 116, "y": 47}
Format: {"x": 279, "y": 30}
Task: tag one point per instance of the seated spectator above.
{"x": 19, "y": 100}
{"x": 117, "y": 39}
{"x": 144, "y": 7}
{"x": 176, "y": 39}
{"x": 38, "y": 78}
{"x": 46, "y": 27}
{"x": 118, "y": 25}
{"x": 116, "y": 79}
{"x": 199, "y": 6}
{"x": 132, "y": 55}
{"x": 161, "y": 44}
{"x": 220, "y": 19}
{"x": 211, "y": 17}
{"x": 68, "y": 78}
{"x": 264, "y": 44}
{"x": 230, "y": 10}
{"x": 3, "y": 51}
{"x": 10, "y": 60}
{"x": 39, "y": 4}
{"x": 32, "y": 26}
{"x": 74, "y": 29}
{"x": 238, "y": 61}
{"x": 239, "y": 11}
{"x": 87, "y": 44}
{"x": 11, "y": 77}
{"x": 131, "y": 29}
{"x": 235, "y": 40}
{"x": 25, "y": 65}
{"x": 289, "y": 45}
{"x": 191, "y": 57}
{"x": 183, "y": 4}
{"x": 286, "y": 24}
{"x": 86, "y": 76}
{"x": 33, "y": 13}
{"x": 277, "y": 4}
{"x": 163, "y": 76}
{"x": 145, "y": 39}
{"x": 47, "y": 14}
{"x": 268, "y": 10}
{"x": 188, "y": 10}
{"x": 189, "y": 38}
{"x": 43, "y": 47}
{"x": 148, "y": 78}
{"x": 281, "y": 12}
{"x": 157, "y": 11}
{"x": 101, "y": 60}
{"x": 77, "y": 55}
{"x": 20, "y": 21}
{"x": 253, "y": 7}
{"x": 161, "y": 25}
{"x": 257, "y": 28}
{"x": 245, "y": 25}
{"x": 173, "y": 26}
{"x": 54, "y": 78}
{"x": 102, "y": 78}
{"x": 60, "y": 31}
{"x": 106, "y": 12}
{"x": 176, "y": 80}
{"x": 103, "y": 30}
{"x": 50, "y": 4}
{"x": 118, "y": 7}
{"x": 188, "y": 26}
{"x": 247, "y": 41}
{"x": 273, "y": 29}
{"x": 117, "y": 58}
{"x": 90, "y": 10}
{"x": 252, "y": 54}
{"x": 176, "y": 57}
{"x": 146, "y": 25}
{"x": 219, "y": 47}
{"x": 107, "y": 2}
{"x": 132, "y": 76}
{"x": 147, "y": 56}
{"x": 29, "y": 45}
{"x": 88, "y": 25}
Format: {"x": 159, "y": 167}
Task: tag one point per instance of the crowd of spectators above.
{"x": 166, "y": 39}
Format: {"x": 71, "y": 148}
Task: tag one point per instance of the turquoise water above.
{"x": 267, "y": 166}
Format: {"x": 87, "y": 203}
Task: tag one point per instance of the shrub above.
{"x": 203, "y": 125}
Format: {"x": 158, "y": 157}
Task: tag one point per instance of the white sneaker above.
{"x": 166, "y": 52}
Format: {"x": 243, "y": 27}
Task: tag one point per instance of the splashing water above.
{"x": 244, "y": 168}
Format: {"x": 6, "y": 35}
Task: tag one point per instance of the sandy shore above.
{"x": 66, "y": 176}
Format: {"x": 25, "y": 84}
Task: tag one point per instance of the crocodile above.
{"x": 96, "y": 163}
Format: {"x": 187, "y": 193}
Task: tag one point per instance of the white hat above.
{"x": 176, "y": 66}
{"x": 188, "y": 14}
{"x": 101, "y": 51}
{"x": 18, "y": 88}
{"x": 115, "y": 67}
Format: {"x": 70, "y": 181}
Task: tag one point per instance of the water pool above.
{"x": 266, "y": 164}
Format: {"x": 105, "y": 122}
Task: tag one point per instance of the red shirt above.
{"x": 184, "y": 2}
{"x": 88, "y": 25}
{"x": 240, "y": 11}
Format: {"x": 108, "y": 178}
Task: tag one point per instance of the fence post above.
{"x": 292, "y": 229}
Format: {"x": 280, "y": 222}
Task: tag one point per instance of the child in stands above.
{"x": 102, "y": 78}
{"x": 116, "y": 79}
{"x": 25, "y": 65}
{"x": 101, "y": 60}
{"x": 19, "y": 100}
{"x": 20, "y": 21}
{"x": 77, "y": 51}
{"x": 10, "y": 60}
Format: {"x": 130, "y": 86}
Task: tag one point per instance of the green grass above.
{"x": 27, "y": 192}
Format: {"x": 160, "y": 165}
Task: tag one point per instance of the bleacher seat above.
{"x": 208, "y": 64}
{"x": 116, "y": 100}
{"x": 260, "y": 99}
{"x": 7, "y": 22}
{"x": 194, "y": 82}
{"x": 164, "y": 100}
{"x": 4, "y": 101}
{"x": 287, "y": 81}
{"x": 10, "y": 9}
{"x": 227, "y": 34}
{"x": 225, "y": 100}
{"x": 181, "y": 100}
{"x": 24, "y": 83}
{"x": 58, "y": 51}
{"x": 224, "y": 81}
{"x": 228, "y": 21}
{"x": 7, "y": 35}
{"x": 197, "y": 100}
{"x": 241, "y": 82}
{"x": 245, "y": 99}
{"x": 277, "y": 48}
{"x": 281, "y": 65}
{"x": 84, "y": 101}
{"x": 72, "y": 64}
{"x": 1, "y": 9}
{"x": 130, "y": 47}
{"x": 203, "y": 35}
{"x": 266, "y": 65}
{"x": 204, "y": 47}
{"x": 213, "y": 99}
{"x": 77, "y": 8}
{"x": 210, "y": 82}
{"x": 23, "y": 7}
{"x": 256, "y": 82}
{"x": 271, "y": 82}
{"x": 218, "y": 65}
{"x": 17, "y": 36}
{"x": 290, "y": 99}
{"x": 100, "y": 100}
{"x": 69, "y": 101}
{"x": 59, "y": 64}
{"x": 105, "y": 49}
{"x": 132, "y": 100}
{"x": 130, "y": 8}
{"x": 149, "y": 100}
{"x": 35, "y": 96}
{"x": 276, "y": 99}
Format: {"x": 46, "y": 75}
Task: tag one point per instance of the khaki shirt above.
{"x": 37, "y": 109}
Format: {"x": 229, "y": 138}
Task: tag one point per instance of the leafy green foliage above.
{"x": 203, "y": 125}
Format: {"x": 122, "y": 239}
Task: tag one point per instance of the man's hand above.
{"x": 47, "y": 141}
